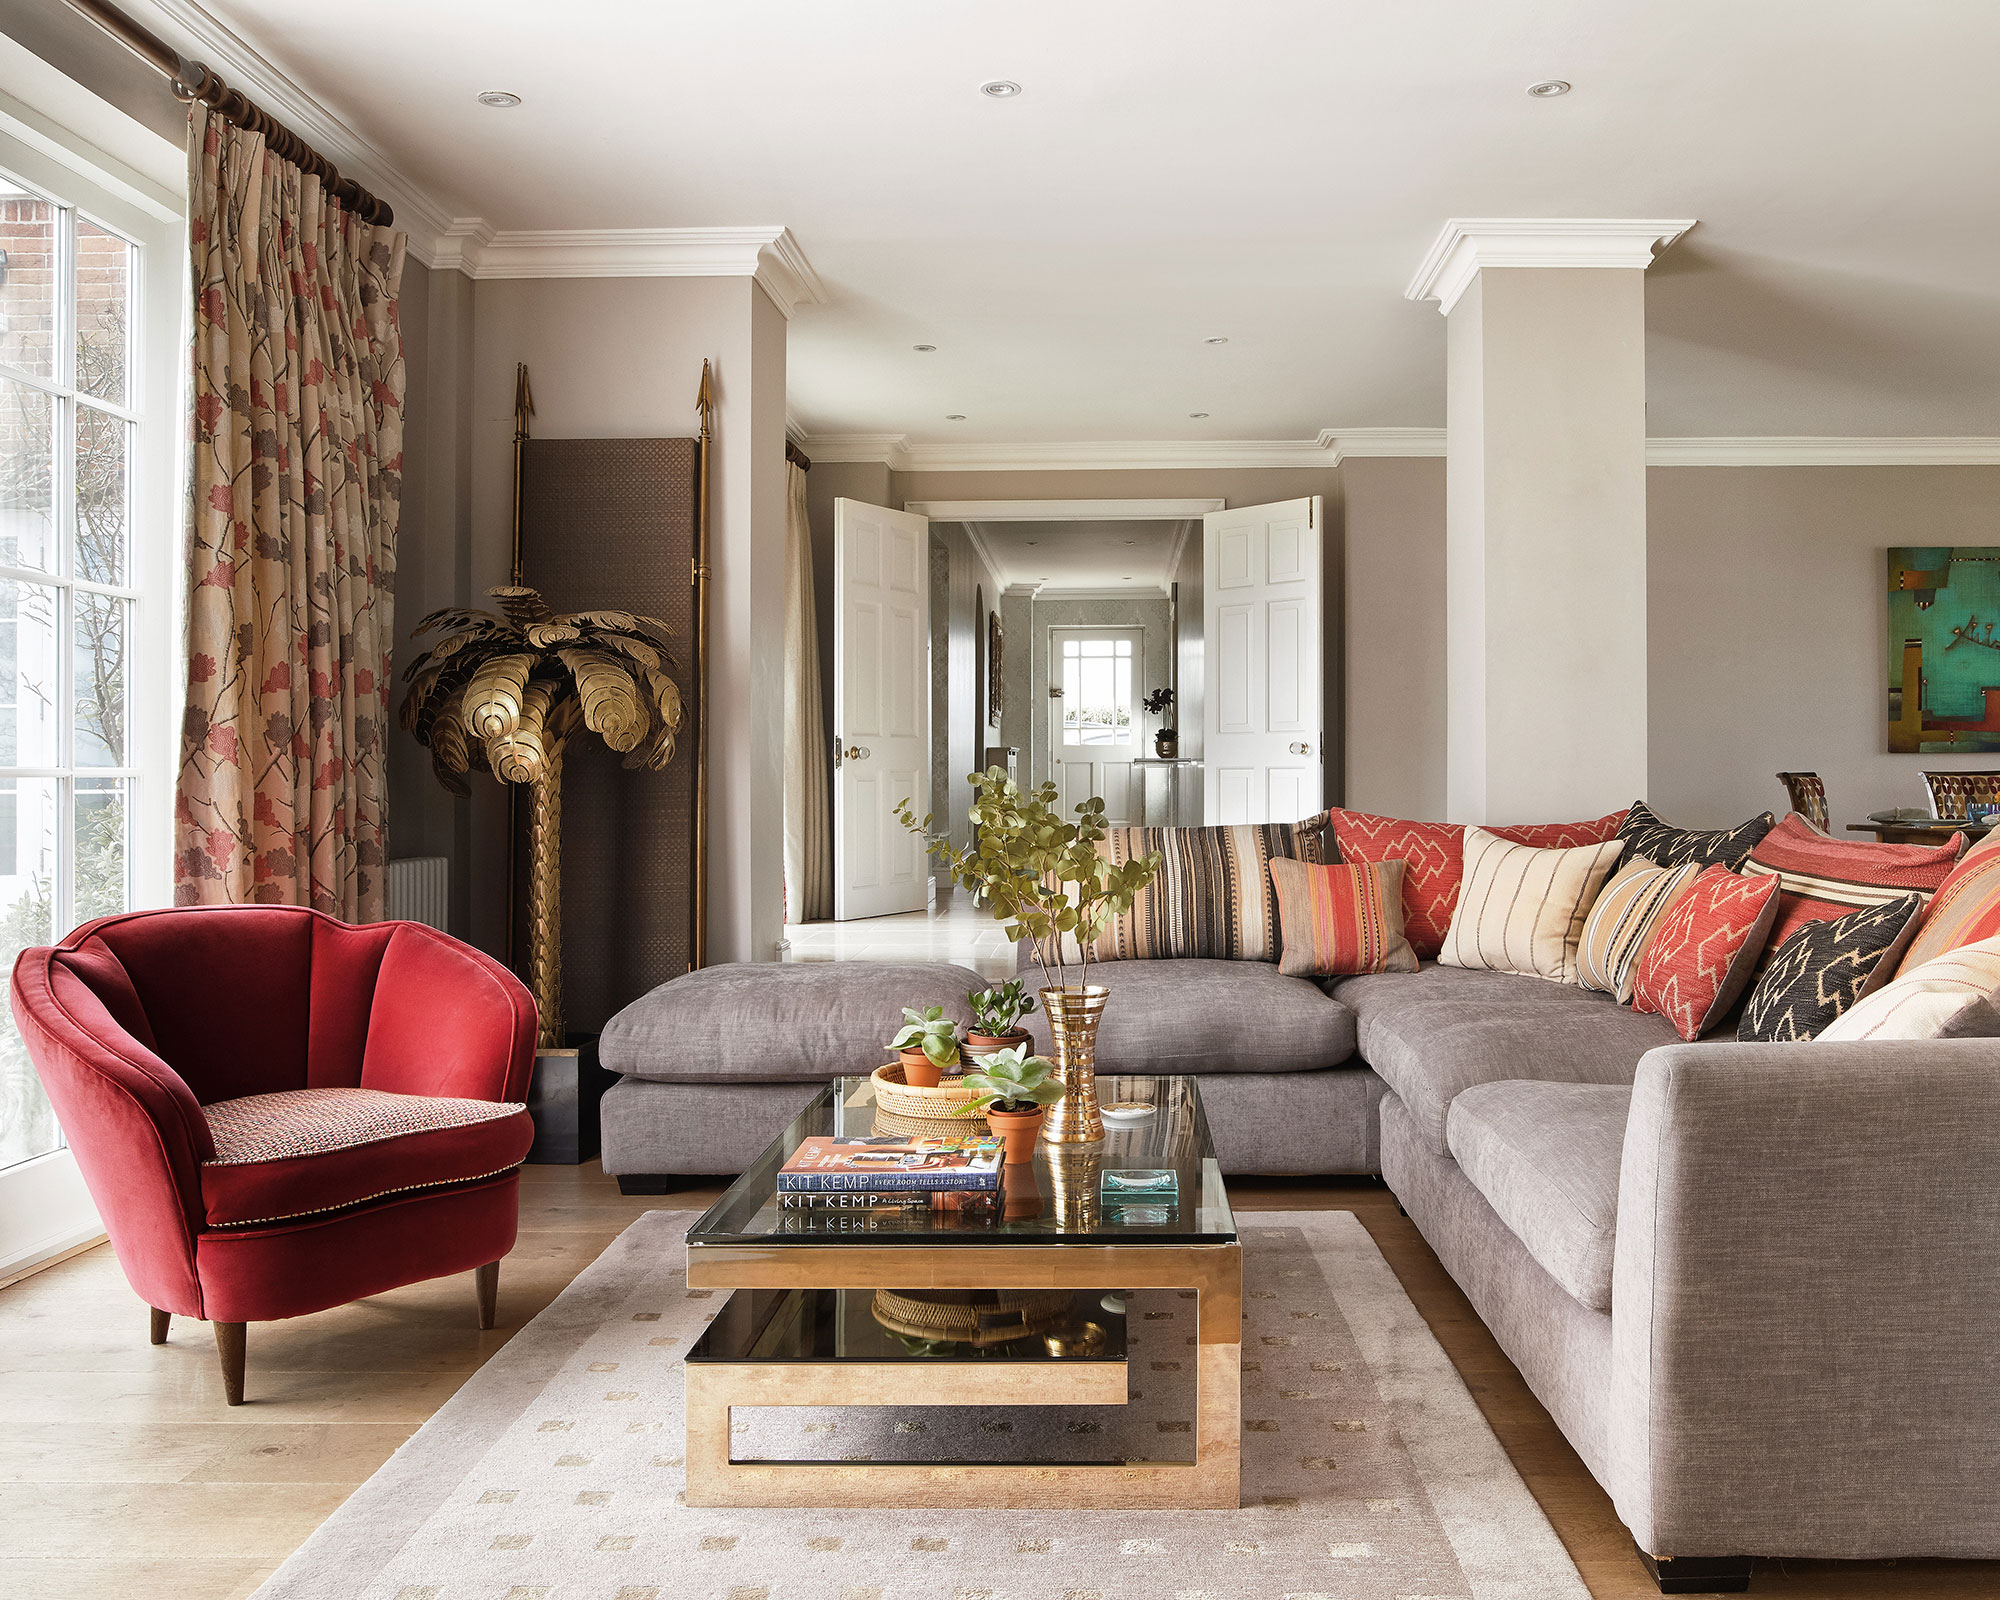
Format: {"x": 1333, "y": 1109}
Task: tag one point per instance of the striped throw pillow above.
{"x": 1521, "y": 909}
{"x": 1951, "y": 996}
{"x": 1821, "y": 878}
{"x": 1623, "y": 919}
{"x": 1213, "y": 896}
{"x": 1965, "y": 910}
{"x": 1339, "y": 920}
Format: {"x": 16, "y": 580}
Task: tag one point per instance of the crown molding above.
{"x": 1144, "y": 593}
{"x": 1465, "y": 245}
{"x": 1001, "y": 577}
{"x": 1328, "y": 449}
{"x": 1806, "y": 451}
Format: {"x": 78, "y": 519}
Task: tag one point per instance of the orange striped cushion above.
{"x": 1965, "y": 910}
{"x": 1341, "y": 919}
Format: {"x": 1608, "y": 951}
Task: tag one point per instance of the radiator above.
{"x": 420, "y": 891}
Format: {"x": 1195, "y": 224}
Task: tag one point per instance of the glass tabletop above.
{"x": 1079, "y": 1194}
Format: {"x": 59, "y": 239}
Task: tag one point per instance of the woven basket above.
{"x": 898, "y": 1099}
{"x": 973, "y": 1316}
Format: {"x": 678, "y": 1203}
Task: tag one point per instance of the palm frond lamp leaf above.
{"x": 505, "y": 693}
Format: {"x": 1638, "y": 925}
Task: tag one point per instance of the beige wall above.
{"x": 621, "y": 358}
{"x": 1395, "y": 638}
{"x": 1546, "y": 543}
{"x": 1766, "y": 632}
{"x": 1769, "y": 618}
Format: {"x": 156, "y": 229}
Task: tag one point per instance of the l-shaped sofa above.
{"x": 1756, "y": 1285}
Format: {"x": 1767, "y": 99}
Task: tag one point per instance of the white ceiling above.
{"x": 1267, "y": 171}
{"x": 1132, "y": 557}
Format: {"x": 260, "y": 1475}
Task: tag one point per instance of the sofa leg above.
{"x": 486, "y": 1287}
{"x": 229, "y": 1347}
{"x": 1699, "y": 1574}
{"x": 161, "y": 1319}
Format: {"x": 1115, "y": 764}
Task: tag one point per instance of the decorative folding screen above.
{"x": 609, "y": 524}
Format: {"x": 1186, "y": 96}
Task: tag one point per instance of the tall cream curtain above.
{"x": 296, "y": 485}
{"x": 808, "y": 826}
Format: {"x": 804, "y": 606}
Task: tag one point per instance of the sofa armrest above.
{"x": 1806, "y": 1301}
{"x": 447, "y": 1020}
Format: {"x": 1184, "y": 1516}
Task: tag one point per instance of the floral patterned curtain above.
{"x": 296, "y": 490}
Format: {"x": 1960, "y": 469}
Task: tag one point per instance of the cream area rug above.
{"x": 555, "y": 1473}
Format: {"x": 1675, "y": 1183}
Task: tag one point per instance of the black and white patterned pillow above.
{"x": 1822, "y": 968}
{"x": 1667, "y": 846}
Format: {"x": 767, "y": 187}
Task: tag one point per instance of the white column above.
{"x": 1545, "y": 513}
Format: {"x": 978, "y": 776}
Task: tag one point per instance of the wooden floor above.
{"x": 122, "y": 1471}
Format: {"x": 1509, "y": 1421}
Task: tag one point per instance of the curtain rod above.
{"x": 797, "y": 457}
{"x": 191, "y": 80}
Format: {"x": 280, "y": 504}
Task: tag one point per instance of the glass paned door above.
{"x": 1096, "y": 679}
{"x": 66, "y": 605}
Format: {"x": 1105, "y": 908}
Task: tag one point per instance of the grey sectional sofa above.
{"x": 1757, "y": 1286}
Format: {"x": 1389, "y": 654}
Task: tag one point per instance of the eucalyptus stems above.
{"x": 1043, "y": 877}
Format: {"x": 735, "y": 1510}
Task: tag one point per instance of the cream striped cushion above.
{"x": 1621, "y": 921}
{"x": 1521, "y": 909}
{"x": 1951, "y": 996}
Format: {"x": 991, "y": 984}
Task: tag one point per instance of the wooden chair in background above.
{"x": 1808, "y": 797}
{"x": 1952, "y": 792}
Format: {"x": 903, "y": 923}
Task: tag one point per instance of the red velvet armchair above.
{"x": 277, "y": 1112}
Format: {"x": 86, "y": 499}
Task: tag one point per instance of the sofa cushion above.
{"x": 1522, "y": 909}
{"x": 1436, "y": 1032}
{"x": 1647, "y": 834}
{"x": 1342, "y": 919}
{"x": 1823, "y": 968}
{"x": 770, "y": 1022}
{"x": 1213, "y": 895}
{"x": 1949, "y": 997}
{"x": 1701, "y": 957}
{"x": 1546, "y": 1158}
{"x": 1821, "y": 878}
{"x": 1434, "y": 858}
{"x": 300, "y": 1152}
{"x": 1212, "y": 1016}
{"x": 1965, "y": 910}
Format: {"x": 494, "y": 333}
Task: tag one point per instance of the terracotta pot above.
{"x": 978, "y": 1045}
{"x": 919, "y": 1071}
{"x": 1017, "y": 1130}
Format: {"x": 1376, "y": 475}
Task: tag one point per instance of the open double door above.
{"x": 1261, "y": 711}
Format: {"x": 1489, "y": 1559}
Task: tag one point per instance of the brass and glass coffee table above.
{"x": 830, "y": 1309}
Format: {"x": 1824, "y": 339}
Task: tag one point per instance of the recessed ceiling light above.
{"x": 925, "y": 348}
{"x": 1547, "y": 89}
{"x": 1197, "y": 415}
{"x": 1216, "y": 338}
{"x": 499, "y": 99}
{"x": 1031, "y": 541}
{"x": 1000, "y": 88}
{"x": 1131, "y": 541}
{"x": 954, "y": 416}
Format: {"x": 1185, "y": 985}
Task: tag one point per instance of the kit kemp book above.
{"x": 892, "y": 1165}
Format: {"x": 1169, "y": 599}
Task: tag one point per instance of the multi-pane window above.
{"x": 67, "y": 426}
{"x": 1097, "y": 691}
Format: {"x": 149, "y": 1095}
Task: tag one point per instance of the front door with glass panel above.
{"x": 1095, "y": 721}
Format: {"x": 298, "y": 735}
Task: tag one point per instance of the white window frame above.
{"x": 45, "y": 1210}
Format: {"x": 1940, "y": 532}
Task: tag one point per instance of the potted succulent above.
{"x": 927, "y": 1044}
{"x": 1166, "y": 741}
{"x": 1015, "y": 1090}
{"x": 996, "y": 1018}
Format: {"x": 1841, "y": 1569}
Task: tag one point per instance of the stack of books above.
{"x": 889, "y": 1172}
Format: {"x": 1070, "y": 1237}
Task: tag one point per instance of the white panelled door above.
{"x": 1097, "y": 677}
{"x": 1261, "y": 621}
{"x": 882, "y": 707}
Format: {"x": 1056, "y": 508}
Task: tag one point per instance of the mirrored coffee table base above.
{"x": 755, "y": 1353}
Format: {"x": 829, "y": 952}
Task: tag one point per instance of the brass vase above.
{"x": 1076, "y": 1176}
{"x": 1074, "y": 1011}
